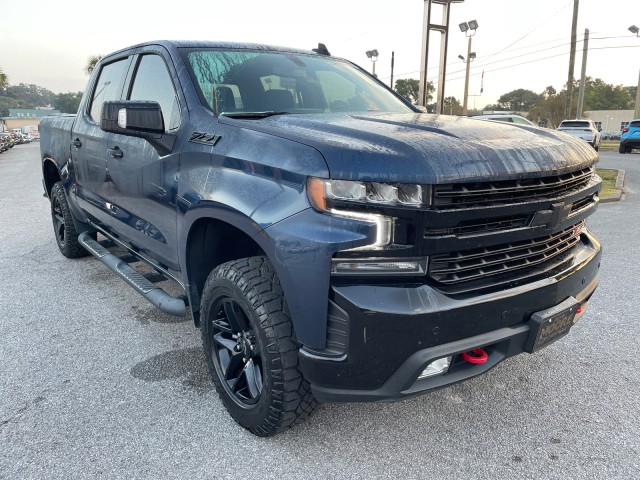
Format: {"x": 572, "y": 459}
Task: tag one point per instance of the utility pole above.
{"x": 583, "y": 75}
{"x": 393, "y": 54}
{"x": 636, "y": 114}
{"x": 466, "y": 80}
{"x": 572, "y": 60}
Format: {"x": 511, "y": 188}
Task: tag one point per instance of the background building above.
{"x": 25, "y": 118}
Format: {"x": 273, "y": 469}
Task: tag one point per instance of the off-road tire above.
{"x": 243, "y": 302}
{"x": 63, "y": 226}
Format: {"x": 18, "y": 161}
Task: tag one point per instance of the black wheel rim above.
{"x": 235, "y": 352}
{"x": 58, "y": 221}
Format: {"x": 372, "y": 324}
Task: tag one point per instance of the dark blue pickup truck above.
{"x": 332, "y": 242}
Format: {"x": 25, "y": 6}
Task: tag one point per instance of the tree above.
{"x": 4, "y": 80}
{"x": 92, "y": 61}
{"x": 494, "y": 107}
{"x": 519, "y": 100}
{"x": 5, "y": 104}
{"x": 452, "y": 106}
{"x": 68, "y": 102}
{"x": 549, "y": 112}
{"x": 409, "y": 88}
{"x": 599, "y": 95}
{"x": 31, "y": 96}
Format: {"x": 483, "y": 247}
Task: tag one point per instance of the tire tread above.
{"x": 292, "y": 399}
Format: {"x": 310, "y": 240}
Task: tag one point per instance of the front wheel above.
{"x": 250, "y": 347}
{"x": 63, "y": 227}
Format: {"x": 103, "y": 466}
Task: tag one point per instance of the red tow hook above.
{"x": 477, "y": 356}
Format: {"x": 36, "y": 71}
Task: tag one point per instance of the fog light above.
{"x": 379, "y": 266}
{"x": 437, "y": 367}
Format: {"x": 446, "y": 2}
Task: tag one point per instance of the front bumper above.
{"x": 395, "y": 331}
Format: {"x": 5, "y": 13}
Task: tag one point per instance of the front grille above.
{"x": 479, "y": 226}
{"x": 464, "y": 195}
{"x": 583, "y": 204}
{"x": 497, "y": 265}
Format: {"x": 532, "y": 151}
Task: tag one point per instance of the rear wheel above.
{"x": 622, "y": 149}
{"x": 63, "y": 227}
{"x": 250, "y": 347}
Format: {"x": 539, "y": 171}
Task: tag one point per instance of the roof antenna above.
{"x": 322, "y": 49}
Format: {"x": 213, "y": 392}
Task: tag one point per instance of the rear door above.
{"x": 89, "y": 142}
{"x": 143, "y": 183}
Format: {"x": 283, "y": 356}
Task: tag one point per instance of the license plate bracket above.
{"x": 551, "y": 324}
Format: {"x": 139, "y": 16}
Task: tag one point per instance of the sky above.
{"x": 518, "y": 43}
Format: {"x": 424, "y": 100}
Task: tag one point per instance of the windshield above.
{"x": 239, "y": 82}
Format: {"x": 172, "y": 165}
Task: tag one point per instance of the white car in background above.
{"x": 584, "y": 129}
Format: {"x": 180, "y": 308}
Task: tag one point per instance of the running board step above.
{"x": 154, "y": 294}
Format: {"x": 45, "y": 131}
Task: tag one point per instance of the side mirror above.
{"x": 132, "y": 118}
{"x": 137, "y": 118}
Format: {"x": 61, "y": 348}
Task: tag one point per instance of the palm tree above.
{"x": 91, "y": 63}
{"x": 4, "y": 80}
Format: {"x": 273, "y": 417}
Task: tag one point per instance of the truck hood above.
{"x": 424, "y": 148}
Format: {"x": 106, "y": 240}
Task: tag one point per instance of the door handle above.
{"x": 76, "y": 142}
{"x": 115, "y": 152}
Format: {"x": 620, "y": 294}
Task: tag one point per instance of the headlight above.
{"x": 345, "y": 198}
{"x": 322, "y": 191}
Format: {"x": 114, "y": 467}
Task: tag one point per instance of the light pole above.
{"x": 470, "y": 58}
{"x": 373, "y": 56}
{"x": 469, "y": 29}
{"x": 636, "y": 113}
{"x": 443, "y": 28}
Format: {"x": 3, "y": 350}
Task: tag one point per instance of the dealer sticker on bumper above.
{"x": 549, "y": 325}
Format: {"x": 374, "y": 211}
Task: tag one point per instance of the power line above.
{"x": 541, "y": 59}
{"x": 533, "y": 30}
{"x": 481, "y": 65}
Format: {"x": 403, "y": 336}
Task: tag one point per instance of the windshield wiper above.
{"x": 250, "y": 115}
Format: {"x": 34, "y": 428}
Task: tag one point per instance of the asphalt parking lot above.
{"x": 94, "y": 382}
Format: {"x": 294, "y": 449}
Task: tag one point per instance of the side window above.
{"x": 153, "y": 82}
{"x": 107, "y": 87}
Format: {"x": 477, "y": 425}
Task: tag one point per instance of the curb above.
{"x": 619, "y": 185}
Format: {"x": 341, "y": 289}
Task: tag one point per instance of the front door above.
{"x": 144, "y": 184}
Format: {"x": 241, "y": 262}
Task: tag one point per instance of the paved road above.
{"x": 96, "y": 383}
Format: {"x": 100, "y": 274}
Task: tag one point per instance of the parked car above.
{"x": 8, "y": 140}
{"x": 630, "y": 138}
{"x": 584, "y": 129}
{"x": 507, "y": 118}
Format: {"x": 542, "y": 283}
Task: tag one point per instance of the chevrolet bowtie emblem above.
{"x": 558, "y": 213}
